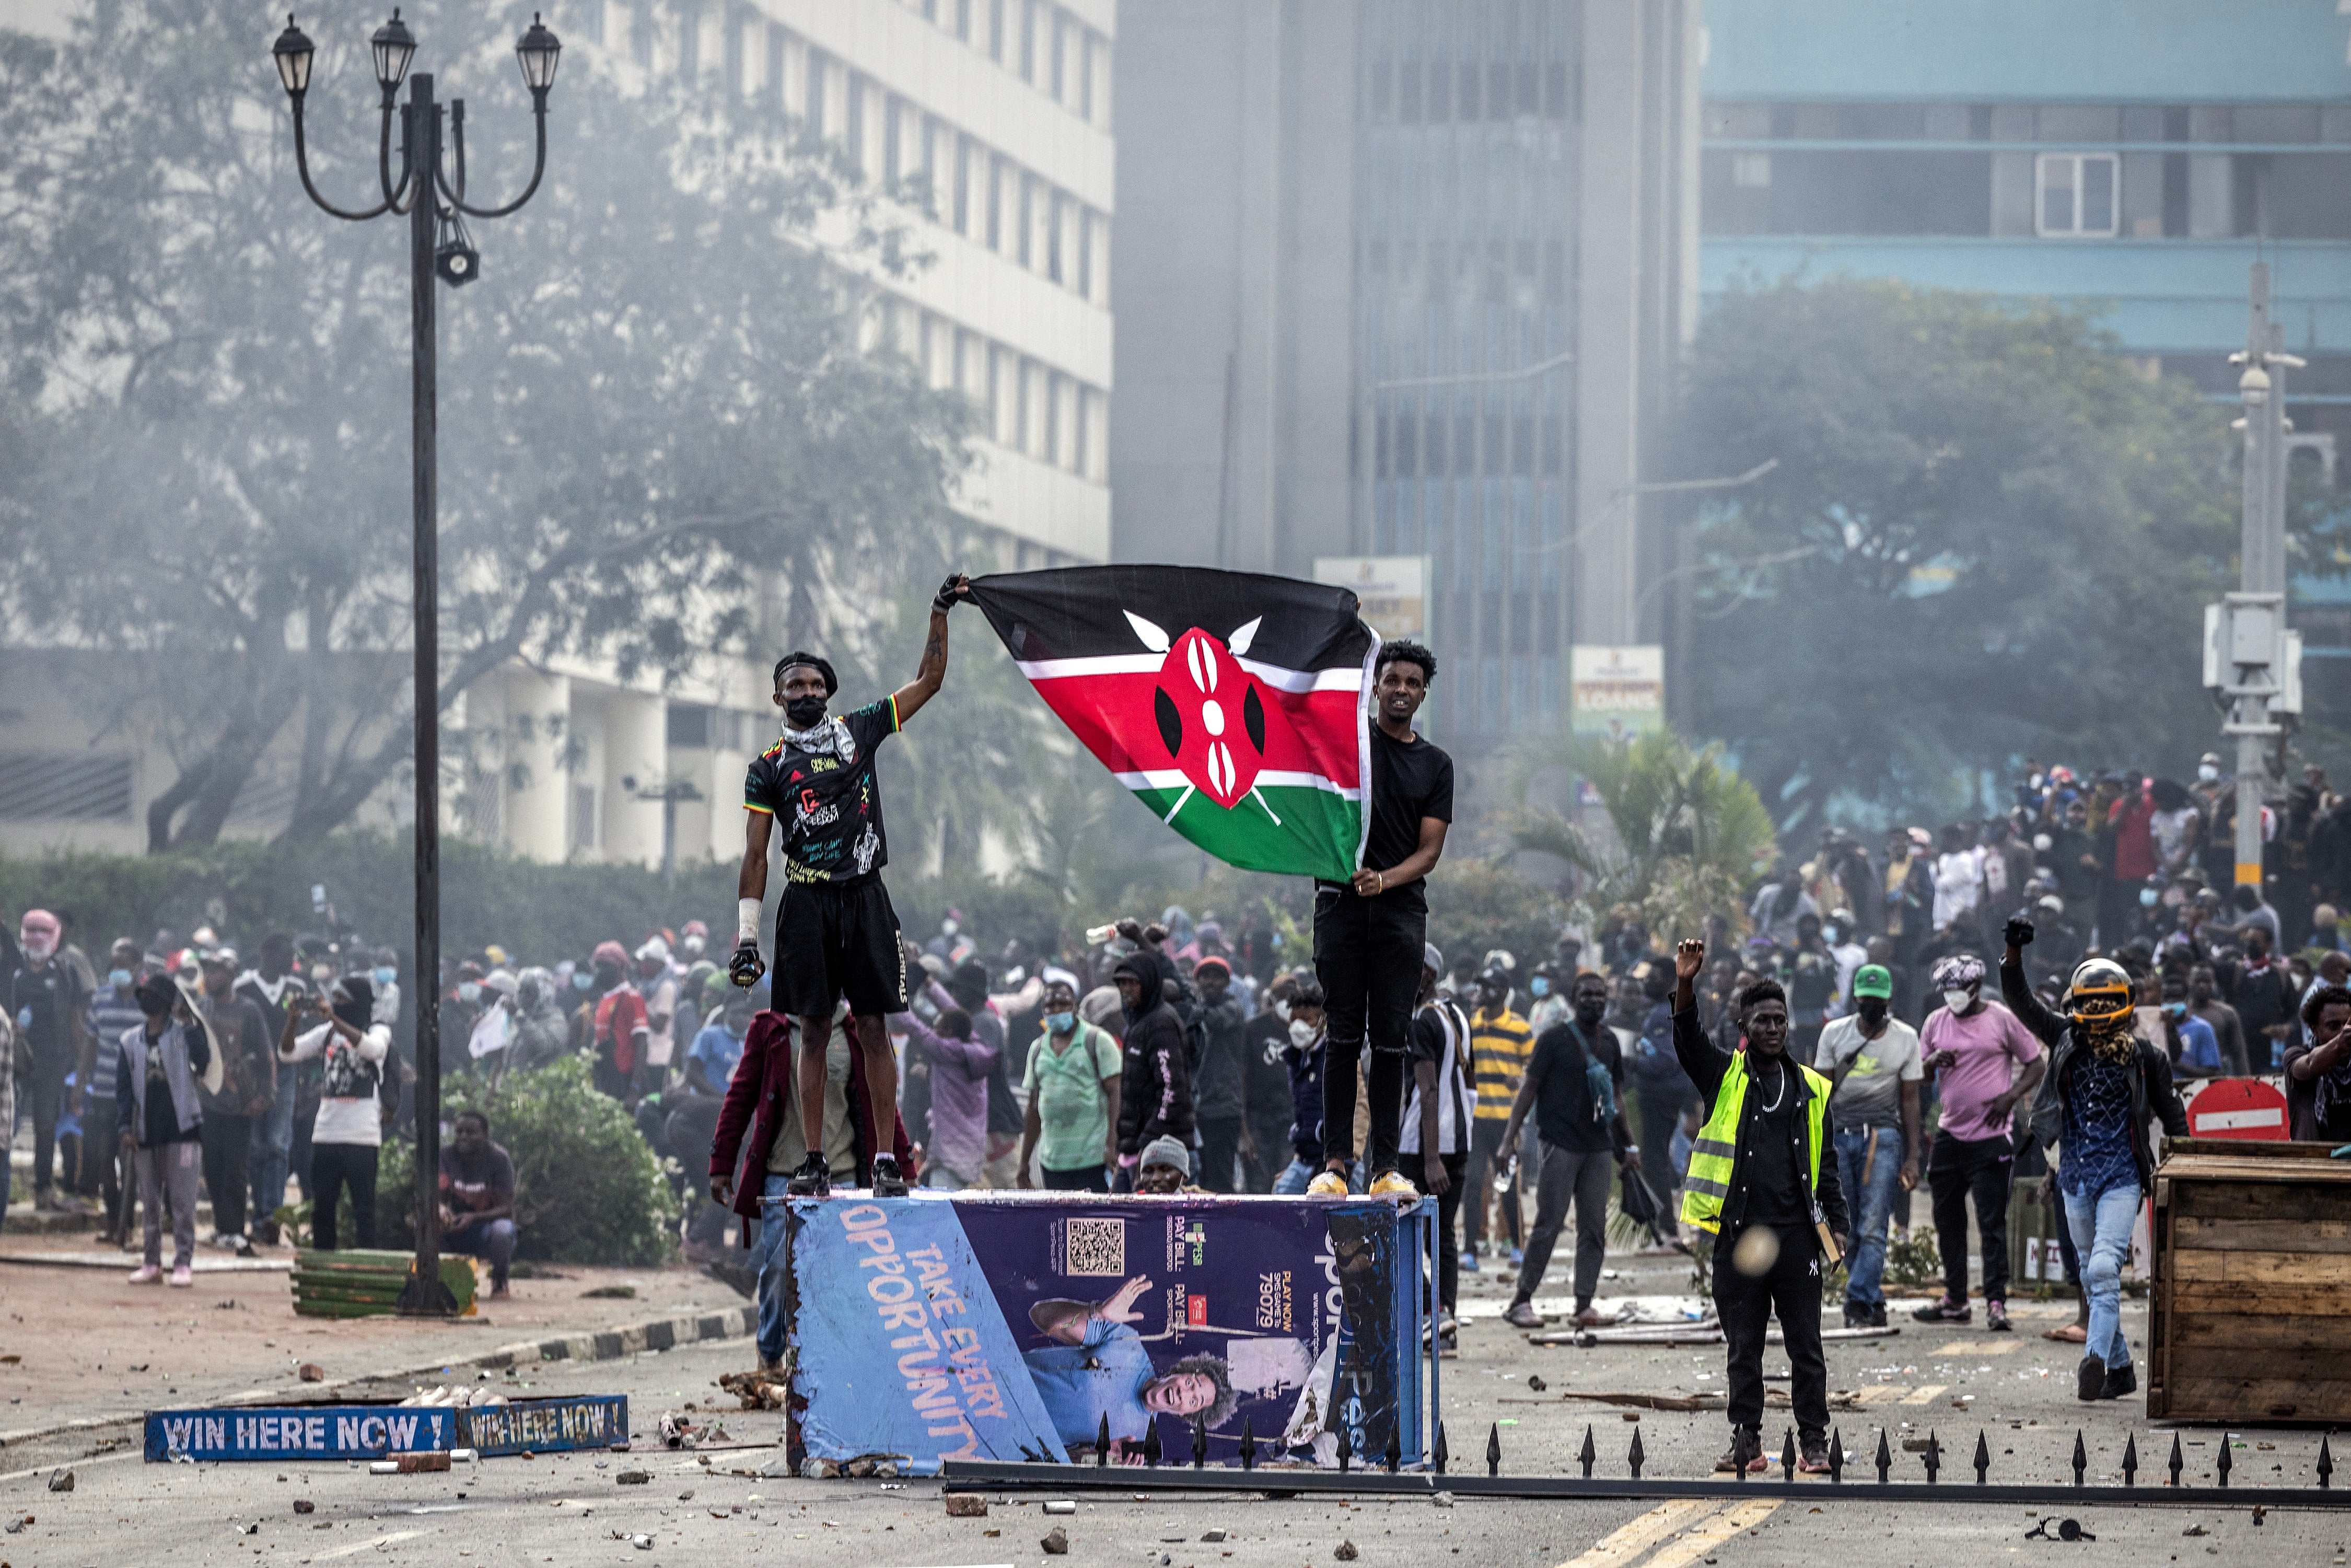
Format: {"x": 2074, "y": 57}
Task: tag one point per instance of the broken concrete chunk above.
{"x": 311, "y": 1371}
{"x": 966, "y": 1505}
{"x": 1346, "y": 1552}
{"x": 1056, "y": 1542}
{"x": 61, "y": 1480}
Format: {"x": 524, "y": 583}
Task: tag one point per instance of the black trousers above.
{"x": 333, "y": 1169}
{"x": 1487, "y": 1157}
{"x": 1449, "y": 1211}
{"x": 44, "y": 1089}
{"x": 1220, "y": 1145}
{"x": 1580, "y": 1176}
{"x": 1084, "y": 1178}
{"x": 1791, "y": 1288}
{"x": 1272, "y": 1136}
{"x": 227, "y": 1139}
{"x": 1977, "y": 1168}
{"x": 1367, "y": 956}
{"x": 1660, "y": 1113}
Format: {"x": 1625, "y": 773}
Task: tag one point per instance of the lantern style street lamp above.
{"x": 435, "y": 204}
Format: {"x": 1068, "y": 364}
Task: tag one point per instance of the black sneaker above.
{"x": 2090, "y": 1379}
{"x": 1943, "y": 1309}
{"x": 812, "y": 1179}
{"x": 2120, "y": 1381}
{"x": 1996, "y": 1317}
{"x": 887, "y": 1182}
{"x": 1877, "y": 1316}
{"x": 1856, "y": 1316}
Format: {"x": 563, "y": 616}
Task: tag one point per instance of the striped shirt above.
{"x": 1499, "y": 1045}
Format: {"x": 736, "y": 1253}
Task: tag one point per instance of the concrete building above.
{"x": 2135, "y": 156}
{"x": 992, "y": 117}
{"x": 1409, "y": 277}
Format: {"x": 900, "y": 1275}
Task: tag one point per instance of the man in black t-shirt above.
{"x": 836, "y": 935}
{"x": 1370, "y": 931}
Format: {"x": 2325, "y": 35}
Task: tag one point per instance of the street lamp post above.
{"x": 438, "y": 244}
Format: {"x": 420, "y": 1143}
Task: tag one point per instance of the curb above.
{"x": 608, "y": 1344}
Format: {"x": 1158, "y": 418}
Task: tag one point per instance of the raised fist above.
{"x": 744, "y": 967}
{"x": 956, "y": 585}
{"x": 2020, "y": 931}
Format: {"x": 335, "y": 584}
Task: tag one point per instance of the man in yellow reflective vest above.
{"x": 1758, "y": 1180}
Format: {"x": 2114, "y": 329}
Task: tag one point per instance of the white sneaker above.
{"x": 183, "y": 1276}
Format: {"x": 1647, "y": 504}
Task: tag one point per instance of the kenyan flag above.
{"x": 1232, "y": 704}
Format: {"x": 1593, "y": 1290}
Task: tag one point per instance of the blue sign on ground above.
{"x": 377, "y": 1431}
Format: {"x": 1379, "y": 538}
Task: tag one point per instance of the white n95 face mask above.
{"x": 1301, "y": 1033}
{"x": 1956, "y": 1000}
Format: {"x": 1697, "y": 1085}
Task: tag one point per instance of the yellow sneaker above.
{"x": 1330, "y": 1184}
{"x": 1390, "y": 1184}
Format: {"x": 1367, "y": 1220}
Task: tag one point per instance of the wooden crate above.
{"x": 2251, "y": 1311}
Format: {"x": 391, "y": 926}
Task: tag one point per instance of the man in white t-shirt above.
{"x": 657, "y": 983}
{"x": 1871, "y": 1059}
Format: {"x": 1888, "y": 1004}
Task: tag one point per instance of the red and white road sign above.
{"x": 2237, "y": 1108}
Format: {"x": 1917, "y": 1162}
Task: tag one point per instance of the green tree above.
{"x": 1987, "y": 536}
{"x": 654, "y": 405}
{"x": 1685, "y": 832}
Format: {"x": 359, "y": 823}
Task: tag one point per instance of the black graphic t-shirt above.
{"x": 818, "y": 785}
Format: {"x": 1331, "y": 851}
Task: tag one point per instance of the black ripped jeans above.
{"x": 1367, "y": 954}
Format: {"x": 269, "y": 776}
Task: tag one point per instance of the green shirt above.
{"x": 1067, "y": 1087}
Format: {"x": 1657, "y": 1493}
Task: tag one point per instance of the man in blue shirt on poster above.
{"x": 1099, "y": 1368}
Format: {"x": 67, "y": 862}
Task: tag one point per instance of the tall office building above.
{"x": 1409, "y": 277}
{"x": 1003, "y": 107}
{"x": 2134, "y": 156}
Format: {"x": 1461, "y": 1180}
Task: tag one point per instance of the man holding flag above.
{"x": 1258, "y": 717}
{"x": 1371, "y": 931}
{"x": 836, "y": 935}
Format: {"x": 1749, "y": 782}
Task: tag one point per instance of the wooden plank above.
{"x": 2238, "y": 1200}
{"x": 2194, "y": 1151}
{"x": 2244, "y": 1363}
{"x": 2261, "y": 1268}
{"x": 2228, "y": 1298}
{"x": 2191, "y": 1331}
{"x": 2254, "y": 1399}
{"x": 2204, "y": 1234}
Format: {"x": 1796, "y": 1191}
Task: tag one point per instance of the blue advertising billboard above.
{"x": 382, "y": 1431}
{"x": 1017, "y": 1326}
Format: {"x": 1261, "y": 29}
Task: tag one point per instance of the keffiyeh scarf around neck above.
{"x": 827, "y": 737}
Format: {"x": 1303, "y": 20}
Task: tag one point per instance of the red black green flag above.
{"x": 1232, "y": 704}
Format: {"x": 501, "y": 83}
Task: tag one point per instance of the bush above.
{"x": 1476, "y": 905}
{"x": 588, "y": 1189}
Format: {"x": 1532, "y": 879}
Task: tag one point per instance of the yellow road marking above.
{"x": 1881, "y": 1394}
{"x": 1628, "y": 1542}
{"x": 1924, "y": 1394}
{"x": 1712, "y": 1534}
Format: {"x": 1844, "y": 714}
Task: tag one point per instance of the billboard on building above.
{"x": 1392, "y": 590}
{"x": 1022, "y": 1326}
{"x": 1617, "y": 692}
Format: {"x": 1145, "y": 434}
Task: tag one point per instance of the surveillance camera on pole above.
{"x": 2252, "y": 664}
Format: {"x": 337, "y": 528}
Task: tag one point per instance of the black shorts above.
{"x": 836, "y": 939}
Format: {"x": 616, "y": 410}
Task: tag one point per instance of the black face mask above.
{"x": 1872, "y": 1011}
{"x": 804, "y": 712}
{"x": 1589, "y": 1009}
{"x": 156, "y": 995}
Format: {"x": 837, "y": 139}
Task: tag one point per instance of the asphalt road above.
{"x": 713, "y": 1506}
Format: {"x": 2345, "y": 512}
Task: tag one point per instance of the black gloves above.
{"x": 950, "y": 591}
{"x": 744, "y": 967}
{"x": 2020, "y": 931}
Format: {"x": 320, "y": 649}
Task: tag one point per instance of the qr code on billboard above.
{"x": 1094, "y": 1247}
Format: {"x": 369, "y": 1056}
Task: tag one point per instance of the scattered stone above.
{"x": 1056, "y": 1542}
{"x": 811, "y": 1470}
{"x": 1345, "y": 1553}
{"x": 685, "y": 1495}
{"x": 2195, "y": 1530}
{"x": 1212, "y": 1535}
{"x": 1536, "y": 1383}
{"x": 304, "y": 1505}
{"x": 420, "y": 1464}
{"x": 966, "y": 1505}
{"x": 61, "y": 1480}
{"x": 310, "y": 1372}
{"x": 987, "y": 1532}
{"x": 1443, "y": 1499}
{"x": 633, "y": 1477}
{"x": 248, "y": 1529}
